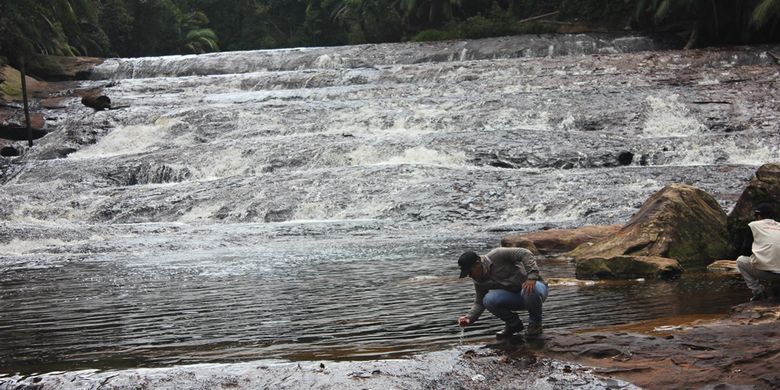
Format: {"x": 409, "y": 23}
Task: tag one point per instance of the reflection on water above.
{"x": 371, "y": 297}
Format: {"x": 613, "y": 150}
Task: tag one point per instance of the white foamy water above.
{"x": 666, "y": 116}
{"x": 416, "y": 155}
{"x": 22, "y": 247}
{"x": 131, "y": 140}
{"x": 728, "y": 151}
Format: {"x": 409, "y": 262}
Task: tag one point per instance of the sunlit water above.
{"x": 312, "y": 204}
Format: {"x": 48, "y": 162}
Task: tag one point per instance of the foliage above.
{"x": 766, "y": 12}
{"x": 156, "y": 27}
{"x": 58, "y": 27}
{"x": 198, "y": 39}
{"x": 367, "y": 21}
{"x": 613, "y": 13}
{"x": 712, "y": 22}
{"x": 497, "y": 22}
{"x": 435, "y": 12}
{"x": 202, "y": 40}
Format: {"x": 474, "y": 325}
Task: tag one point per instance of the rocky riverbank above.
{"x": 741, "y": 350}
{"x": 49, "y": 89}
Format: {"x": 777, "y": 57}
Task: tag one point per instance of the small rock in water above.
{"x": 478, "y": 378}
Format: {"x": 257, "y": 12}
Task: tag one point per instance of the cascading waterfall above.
{"x": 309, "y": 203}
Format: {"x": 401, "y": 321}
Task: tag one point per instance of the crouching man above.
{"x": 505, "y": 280}
{"x": 763, "y": 264}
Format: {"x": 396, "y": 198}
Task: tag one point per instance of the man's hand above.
{"x": 464, "y": 321}
{"x": 529, "y": 286}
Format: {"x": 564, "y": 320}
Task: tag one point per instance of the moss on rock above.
{"x": 628, "y": 267}
{"x": 11, "y": 85}
{"x": 679, "y": 221}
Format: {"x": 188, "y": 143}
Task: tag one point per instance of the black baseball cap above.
{"x": 466, "y": 261}
{"x": 765, "y": 210}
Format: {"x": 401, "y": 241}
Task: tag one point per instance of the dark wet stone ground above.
{"x": 739, "y": 351}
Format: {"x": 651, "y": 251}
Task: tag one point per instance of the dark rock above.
{"x": 9, "y": 151}
{"x": 625, "y": 158}
{"x": 679, "y": 222}
{"x": 98, "y": 102}
{"x": 19, "y": 133}
{"x": 764, "y": 187}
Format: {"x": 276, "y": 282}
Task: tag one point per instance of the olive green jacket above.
{"x": 505, "y": 269}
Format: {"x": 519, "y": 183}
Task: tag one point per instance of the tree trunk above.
{"x": 26, "y": 106}
{"x": 692, "y": 39}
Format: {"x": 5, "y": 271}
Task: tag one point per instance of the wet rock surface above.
{"x": 560, "y": 240}
{"x": 742, "y": 349}
{"x": 680, "y": 221}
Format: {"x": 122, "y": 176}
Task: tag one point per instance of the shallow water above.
{"x": 321, "y": 298}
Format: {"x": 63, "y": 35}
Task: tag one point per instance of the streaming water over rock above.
{"x": 309, "y": 204}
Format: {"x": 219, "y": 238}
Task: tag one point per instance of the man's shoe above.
{"x": 510, "y": 329}
{"x": 758, "y": 297}
{"x": 534, "y": 330}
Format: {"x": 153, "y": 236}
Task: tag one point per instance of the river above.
{"x": 307, "y": 204}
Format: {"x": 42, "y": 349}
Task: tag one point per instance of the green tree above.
{"x": 766, "y": 12}
{"x": 320, "y": 28}
{"x": 712, "y": 22}
{"x": 430, "y": 13}
{"x": 57, "y": 27}
{"x": 202, "y": 40}
{"x": 368, "y": 21}
{"x": 117, "y": 22}
{"x": 244, "y": 24}
{"x": 156, "y": 27}
{"x": 198, "y": 38}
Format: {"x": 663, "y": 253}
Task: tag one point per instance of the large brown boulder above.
{"x": 559, "y": 240}
{"x": 628, "y": 267}
{"x": 764, "y": 187}
{"x": 679, "y": 222}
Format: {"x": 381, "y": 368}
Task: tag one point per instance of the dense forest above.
{"x": 130, "y": 28}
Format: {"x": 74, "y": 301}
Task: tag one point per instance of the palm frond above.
{"x": 765, "y": 12}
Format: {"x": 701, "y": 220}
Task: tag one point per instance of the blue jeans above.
{"x": 502, "y": 303}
